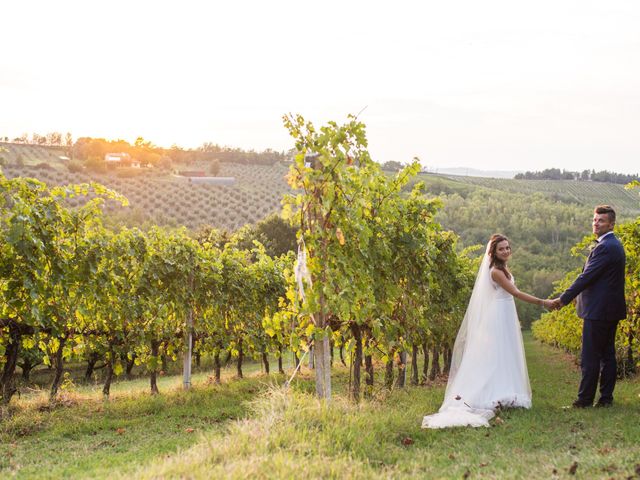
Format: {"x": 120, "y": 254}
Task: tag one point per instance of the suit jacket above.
{"x": 600, "y": 287}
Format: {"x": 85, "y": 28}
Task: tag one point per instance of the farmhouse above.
{"x": 121, "y": 160}
{"x": 117, "y": 158}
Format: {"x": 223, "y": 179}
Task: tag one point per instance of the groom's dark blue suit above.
{"x": 601, "y": 304}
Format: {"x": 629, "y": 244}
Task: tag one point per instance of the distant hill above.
{"x": 473, "y": 172}
{"x": 14, "y": 154}
{"x": 586, "y": 193}
{"x": 161, "y": 198}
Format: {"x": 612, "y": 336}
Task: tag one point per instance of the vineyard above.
{"x": 378, "y": 265}
{"x": 158, "y": 198}
{"x": 573, "y": 191}
{"x": 20, "y": 154}
{"x": 374, "y": 297}
{"x": 73, "y": 290}
{"x": 173, "y": 201}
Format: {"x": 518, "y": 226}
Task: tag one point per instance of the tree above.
{"x": 54, "y": 138}
{"x": 214, "y": 167}
{"x": 332, "y": 169}
{"x": 344, "y": 196}
{"x": 274, "y": 232}
{"x": 392, "y": 166}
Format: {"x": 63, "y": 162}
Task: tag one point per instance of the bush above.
{"x": 44, "y": 166}
{"x": 214, "y": 168}
{"x": 96, "y": 164}
{"x": 165, "y": 163}
{"x": 75, "y": 167}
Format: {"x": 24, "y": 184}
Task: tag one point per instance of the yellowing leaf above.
{"x": 309, "y": 330}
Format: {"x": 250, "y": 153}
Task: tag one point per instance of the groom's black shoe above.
{"x": 581, "y": 404}
{"x": 603, "y": 404}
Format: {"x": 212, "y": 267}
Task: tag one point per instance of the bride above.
{"x": 488, "y": 369}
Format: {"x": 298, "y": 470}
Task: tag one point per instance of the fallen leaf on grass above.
{"x": 573, "y": 468}
{"x": 499, "y": 421}
{"x": 189, "y": 430}
{"x": 120, "y": 431}
{"x": 484, "y": 464}
{"x": 609, "y": 469}
{"x": 452, "y": 456}
{"x": 466, "y": 474}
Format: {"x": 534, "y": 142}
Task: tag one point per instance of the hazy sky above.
{"x": 483, "y": 84}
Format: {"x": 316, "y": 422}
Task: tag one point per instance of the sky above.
{"x": 493, "y": 85}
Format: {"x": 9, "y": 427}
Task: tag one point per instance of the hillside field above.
{"x": 175, "y": 201}
{"x": 161, "y": 198}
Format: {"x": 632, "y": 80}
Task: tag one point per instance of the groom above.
{"x": 601, "y": 304}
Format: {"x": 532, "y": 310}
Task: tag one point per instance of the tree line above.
{"x": 51, "y": 139}
{"x": 93, "y": 150}
{"x": 585, "y": 176}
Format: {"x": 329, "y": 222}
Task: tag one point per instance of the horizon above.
{"x": 493, "y": 86}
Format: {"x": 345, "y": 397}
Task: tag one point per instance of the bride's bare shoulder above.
{"x": 496, "y": 274}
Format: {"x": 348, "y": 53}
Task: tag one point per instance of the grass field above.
{"x": 253, "y": 428}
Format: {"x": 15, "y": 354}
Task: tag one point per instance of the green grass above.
{"x": 84, "y": 436}
{"x": 254, "y": 429}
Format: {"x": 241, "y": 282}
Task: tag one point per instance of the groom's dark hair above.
{"x": 601, "y": 209}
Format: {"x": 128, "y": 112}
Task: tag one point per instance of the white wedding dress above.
{"x": 488, "y": 369}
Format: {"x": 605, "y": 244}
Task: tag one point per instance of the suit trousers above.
{"x": 598, "y": 360}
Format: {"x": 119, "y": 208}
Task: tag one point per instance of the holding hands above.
{"x": 552, "y": 304}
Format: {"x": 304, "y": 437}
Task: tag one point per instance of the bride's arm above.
{"x": 501, "y": 279}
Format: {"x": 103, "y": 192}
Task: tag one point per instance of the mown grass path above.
{"x": 291, "y": 435}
